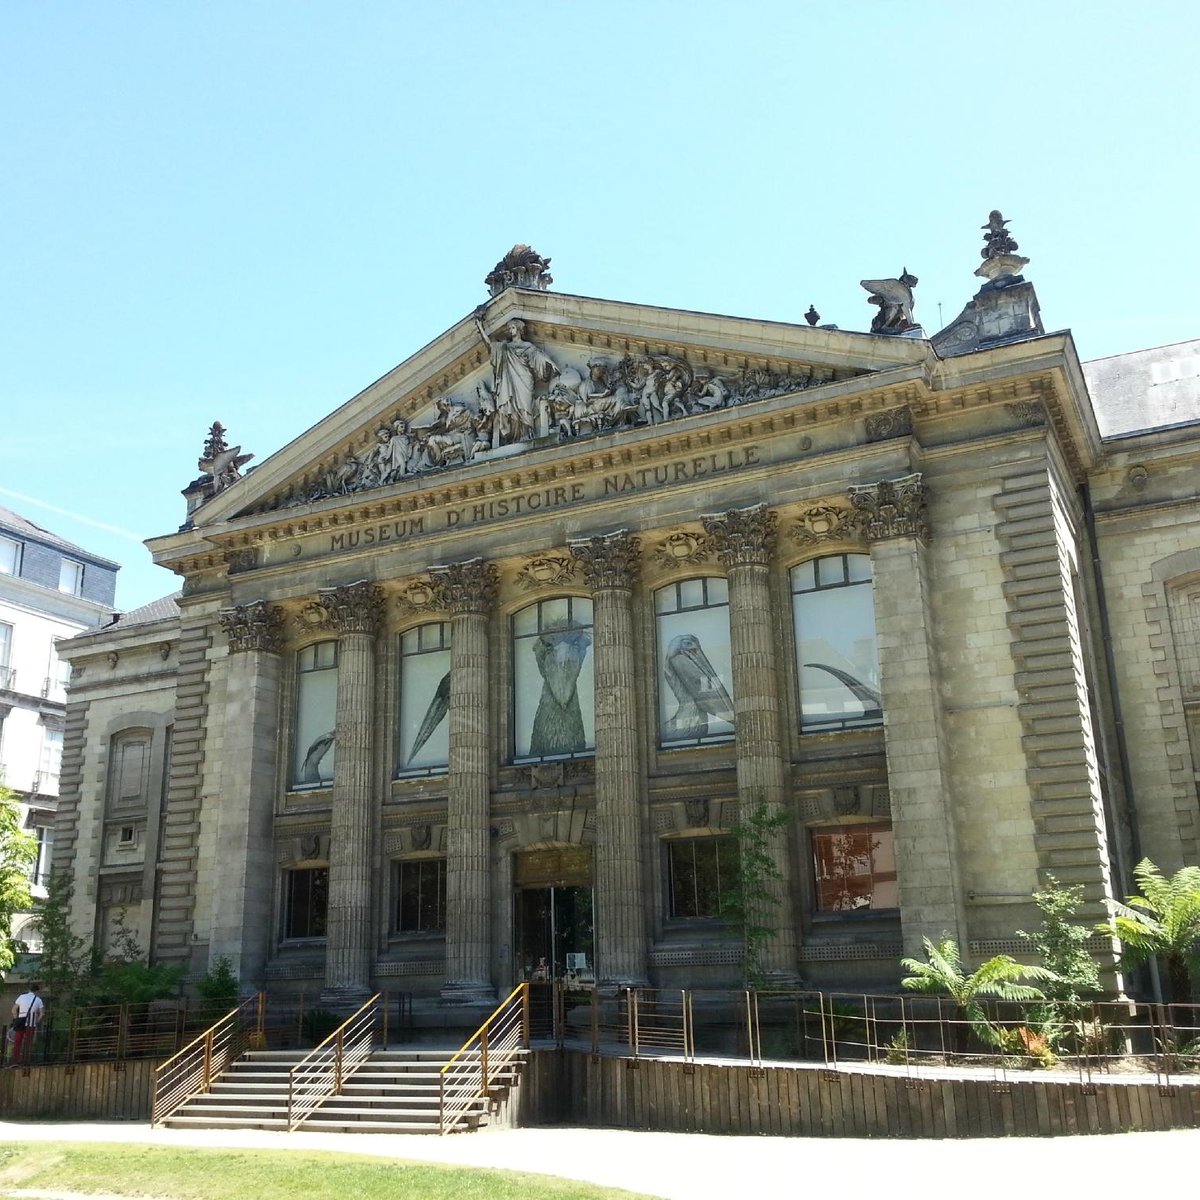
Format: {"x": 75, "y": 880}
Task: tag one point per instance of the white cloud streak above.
{"x": 74, "y": 516}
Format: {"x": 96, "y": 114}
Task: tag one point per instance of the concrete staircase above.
{"x": 394, "y": 1091}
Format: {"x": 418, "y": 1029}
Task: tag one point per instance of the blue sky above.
{"x": 248, "y": 211}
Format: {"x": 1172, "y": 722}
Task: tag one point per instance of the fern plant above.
{"x": 1163, "y": 922}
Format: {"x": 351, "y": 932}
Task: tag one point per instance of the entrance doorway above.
{"x": 552, "y": 914}
{"x": 554, "y": 933}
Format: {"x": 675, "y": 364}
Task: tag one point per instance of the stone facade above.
{"x": 444, "y": 719}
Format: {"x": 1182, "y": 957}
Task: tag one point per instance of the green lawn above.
{"x": 195, "y": 1174}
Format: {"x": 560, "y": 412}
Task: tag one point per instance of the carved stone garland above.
{"x": 826, "y": 523}
{"x": 892, "y": 508}
{"x": 254, "y": 626}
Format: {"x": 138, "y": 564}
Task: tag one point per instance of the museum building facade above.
{"x": 489, "y": 675}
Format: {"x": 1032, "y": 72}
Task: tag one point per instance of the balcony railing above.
{"x": 53, "y": 689}
{"x": 8, "y": 679}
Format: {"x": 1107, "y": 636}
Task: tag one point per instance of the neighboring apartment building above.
{"x": 49, "y": 589}
{"x": 472, "y": 681}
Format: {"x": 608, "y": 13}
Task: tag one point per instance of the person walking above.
{"x": 27, "y": 1013}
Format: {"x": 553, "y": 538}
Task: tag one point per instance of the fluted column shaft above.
{"x": 244, "y": 820}
{"x": 468, "y": 590}
{"x": 744, "y": 540}
{"x": 354, "y": 612}
{"x": 610, "y": 566}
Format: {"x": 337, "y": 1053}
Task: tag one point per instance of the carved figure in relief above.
{"x": 517, "y": 368}
{"x": 697, "y": 688}
{"x": 607, "y": 396}
{"x": 708, "y": 393}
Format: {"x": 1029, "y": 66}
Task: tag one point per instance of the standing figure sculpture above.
{"x": 517, "y": 368}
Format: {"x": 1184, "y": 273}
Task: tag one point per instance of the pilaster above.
{"x": 468, "y": 590}
{"x": 354, "y": 612}
{"x": 248, "y": 781}
{"x": 894, "y": 518}
{"x": 610, "y": 567}
{"x": 745, "y": 541}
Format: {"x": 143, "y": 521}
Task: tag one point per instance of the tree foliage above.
{"x": 752, "y": 901}
{"x": 1061, "y": 944}
{"x": 18, "y": 853}
{"x": 68, "y": 962}
{"x": 1163, "y": 922}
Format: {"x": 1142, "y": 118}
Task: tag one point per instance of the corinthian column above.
{"x": 744, "y": 539}
{"x": 610, "y": 566}
{"x": 892, "y": 514}
{"x": 244, "y": 828}
{"x": 468, "y": 590}
{"x": 354, "y": 612}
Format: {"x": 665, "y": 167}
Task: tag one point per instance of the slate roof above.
{"x": 1145, "y": 389}
{"x": 24, "y": 528}
{"x": 164, "y": 609}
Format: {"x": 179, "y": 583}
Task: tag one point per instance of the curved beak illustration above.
{"x": 435, "y": 714}
{"x": 310, "y": 769}
{"x": 697, "y": 688}
{"x": 558, "y": 722}
{"x": 867, "y": 696}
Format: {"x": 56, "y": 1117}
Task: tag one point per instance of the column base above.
{"x": 345, "y": 998}
{"x": 610, "y": 987}
{"x": 468, "y": 991}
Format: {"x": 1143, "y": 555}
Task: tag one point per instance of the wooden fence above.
{"x": 98, "y": 1091}
{"x": 569, "y": 1086}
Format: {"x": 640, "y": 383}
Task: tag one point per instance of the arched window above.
{"x": 837, "y": 660}
{"x": 554, "y": 713}
{"x": 695, "y": 677}
{"x": 316, "y": 713}
{"x": 422, "y": 728}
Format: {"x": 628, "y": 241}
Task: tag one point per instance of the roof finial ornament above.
{"x": 220, "y": 461}
{"x": 812, "y": 316}
{"x": 523, "y": 267}
{"x": 1001, "y": 264}
{"x": 895, "y": 300}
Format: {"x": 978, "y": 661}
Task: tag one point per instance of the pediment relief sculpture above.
{"x": 526, "y": 396}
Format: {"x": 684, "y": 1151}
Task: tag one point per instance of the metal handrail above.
{"x": 483, "y": 1057}
{"x": 190, "y": 1071}
{"x": 322, "y": 1071}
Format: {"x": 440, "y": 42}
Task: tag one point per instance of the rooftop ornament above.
{"x": 523, "y": 267}
{"x": 1001, "y": 265}
{"x": 895, "y": 300}
{"x": 221, "y": 462}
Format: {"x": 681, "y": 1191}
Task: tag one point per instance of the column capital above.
{"x": 254, "y": 626}
{"x": 352, "y": 607}
{"x": 465, "y": 587}
{"x": 610, "y": 560}
{"x": 742, "y": 537}
{"x": 892, "y": 508}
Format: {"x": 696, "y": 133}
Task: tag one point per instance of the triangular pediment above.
{"x": 537, "y": 369}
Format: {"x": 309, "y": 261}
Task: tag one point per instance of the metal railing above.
{"x": 8, "y": 679}
{"x": 483, "y": 1058}
{"x": 190, "y": 1072}
{"x": 321, "y": 1073}
{"x": 904, "y": 1031}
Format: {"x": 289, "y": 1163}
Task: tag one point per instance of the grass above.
{"x": 197, "y": 1174}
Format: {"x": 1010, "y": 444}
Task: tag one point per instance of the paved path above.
{"x": 693, "y": 1166}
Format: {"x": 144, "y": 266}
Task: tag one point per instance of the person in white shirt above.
{"x": 27, "y": 1013}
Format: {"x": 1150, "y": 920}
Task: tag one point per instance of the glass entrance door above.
{"x": 554, "y": 933}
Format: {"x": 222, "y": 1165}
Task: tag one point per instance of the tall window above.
{"x": 6, "y": 670}
{"x": 700, "y": 871}
{"x": 305, "y": 902}
{"x": 70, "y": 577}
{"x": 51, "y": 761}
{"x": 837, "y": 660}
{"x": 423, "y": 731}
{"x": 855, "y": 868}
{"x": 553, "y": 684}
{"x": 695, "y": 683}
{"x": 420, "y": 891}
{"x": 316, "y": 713}
{"x": 10, "y": 556}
